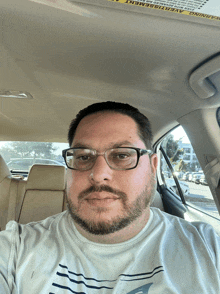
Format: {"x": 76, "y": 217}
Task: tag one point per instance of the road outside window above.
{"x": 186, "y": 167}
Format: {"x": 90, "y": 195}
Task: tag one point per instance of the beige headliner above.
{"x": 99, "y": 51}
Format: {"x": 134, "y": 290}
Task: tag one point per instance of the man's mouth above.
{"x": 100, "y": 196}
{"x": 97, "y": 199}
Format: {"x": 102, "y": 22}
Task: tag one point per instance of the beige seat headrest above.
{"x": 46, "y": 177}
{"x": 4, "y": 170}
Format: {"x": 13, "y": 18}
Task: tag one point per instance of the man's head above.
{"x": 143, "y": 124}
{"x": 103, "y": 200}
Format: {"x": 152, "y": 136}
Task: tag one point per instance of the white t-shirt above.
{"x": 168, "y": 256}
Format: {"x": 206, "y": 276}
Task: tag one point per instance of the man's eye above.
{"x": 83, "y": 158}
{"x": 121, "y": 156}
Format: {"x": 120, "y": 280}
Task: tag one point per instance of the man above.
{"x": 109, "y": 240}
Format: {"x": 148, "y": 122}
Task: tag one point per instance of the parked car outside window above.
{"x": 185, "y": 187}
{"x": 31, "y": 153}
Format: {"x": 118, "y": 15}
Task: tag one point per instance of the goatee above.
{"x": 130, "y": 212}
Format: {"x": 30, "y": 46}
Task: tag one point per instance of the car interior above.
{"x": 163, "y": 57}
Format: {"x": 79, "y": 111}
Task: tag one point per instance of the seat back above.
{"x": 5, "y": 181}
{"x": 44, "y": 194}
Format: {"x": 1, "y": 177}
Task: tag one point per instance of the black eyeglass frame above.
{"x": 139, "y": 151}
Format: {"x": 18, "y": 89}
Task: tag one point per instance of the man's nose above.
{"x": 100, "y": 172}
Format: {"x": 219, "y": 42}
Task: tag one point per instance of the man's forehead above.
{"x": 111, "y": 129}
{"x": 106, "y": 119}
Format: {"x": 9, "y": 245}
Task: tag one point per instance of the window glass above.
{"x": 169, "y": 181}
{"x": 188, "y": 171}
{"x": 20, "y": 156}
{"x": 186, "y": 157}
{"x": 187, "y": 150}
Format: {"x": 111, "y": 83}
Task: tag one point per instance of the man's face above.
{"x": 102, "y": 200}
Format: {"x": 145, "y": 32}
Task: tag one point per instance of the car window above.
{"x": 20, "y": 156}
{"x": 180, "y": 169}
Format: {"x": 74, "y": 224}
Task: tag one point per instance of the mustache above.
{"x": 102, "y": 188}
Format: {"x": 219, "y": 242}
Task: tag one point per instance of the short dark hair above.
{"x": 144, "y": 126}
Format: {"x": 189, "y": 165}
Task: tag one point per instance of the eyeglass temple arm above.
{"x": 144, "y": 151}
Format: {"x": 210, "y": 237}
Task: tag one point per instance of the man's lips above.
{"x": 101, "y": 196}
{"x": 96, "y": 199}
{"x": 101, "y": 192}
{"x": 98, "y": 196}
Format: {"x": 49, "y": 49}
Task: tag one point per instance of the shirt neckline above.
{"x": 131, "y": 241}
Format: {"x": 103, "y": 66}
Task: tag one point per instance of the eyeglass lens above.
{"x": 117, "y": 158}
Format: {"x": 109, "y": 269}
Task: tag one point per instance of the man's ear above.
{"x": 154, "y": 163}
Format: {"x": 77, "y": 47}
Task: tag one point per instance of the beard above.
{"x": 130, "y": 212}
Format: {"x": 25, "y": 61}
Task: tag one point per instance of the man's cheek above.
{"x": 69, "y": 174}
{"x": 140, "y": 179}
{"x": 72, "y": 180}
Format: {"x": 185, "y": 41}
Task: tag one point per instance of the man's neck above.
{"x": 122, "y": 235}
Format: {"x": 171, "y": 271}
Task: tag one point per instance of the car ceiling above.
{"x": 70, "y": 55}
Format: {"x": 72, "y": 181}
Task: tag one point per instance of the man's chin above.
{"x": 100, "y": 227}
{"x": 105, "y": 224}
{"x": 110, "y": 224}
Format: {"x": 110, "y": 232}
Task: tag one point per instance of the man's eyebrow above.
{"x": 119, "y": 144}
{"x": 81, "y": 145}
{"x": 113, "y": 145}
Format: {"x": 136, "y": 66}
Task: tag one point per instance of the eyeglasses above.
{"x": 122, "y": 158}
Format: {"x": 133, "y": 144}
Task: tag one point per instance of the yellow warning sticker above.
{"x": 159, "y": 7}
